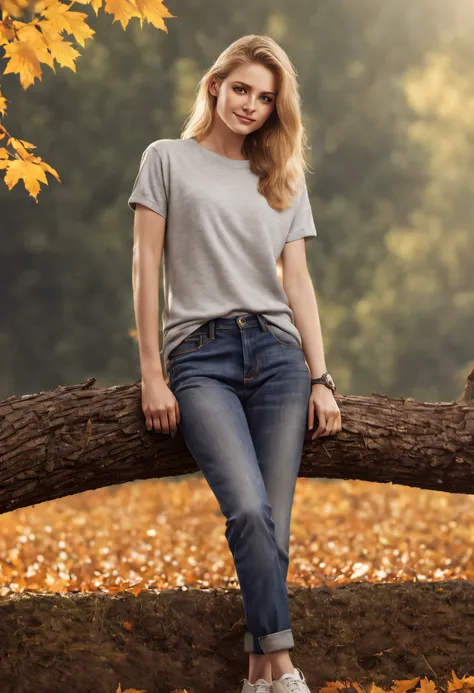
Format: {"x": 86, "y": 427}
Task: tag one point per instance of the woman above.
{"x": 228, "y": 204}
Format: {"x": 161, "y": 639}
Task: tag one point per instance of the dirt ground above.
{"x": 192, "y": 639}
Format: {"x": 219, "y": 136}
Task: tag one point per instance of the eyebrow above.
{"x": 248, "y": 85}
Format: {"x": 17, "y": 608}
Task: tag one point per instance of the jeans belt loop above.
{"x": 212, "y": 330}
{"x": 261, "y": 322}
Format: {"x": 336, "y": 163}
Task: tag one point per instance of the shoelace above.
{"x": 294, "y": 683}
{"x": 263, "y": 687}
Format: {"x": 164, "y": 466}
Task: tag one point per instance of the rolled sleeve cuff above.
{"x": 147, "y": 203}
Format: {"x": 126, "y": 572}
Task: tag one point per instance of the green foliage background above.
{"x": 388, "y": 99}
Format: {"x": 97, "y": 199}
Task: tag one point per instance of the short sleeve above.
{"x": 149, "y": 187}
{"x": 302, "y": 224}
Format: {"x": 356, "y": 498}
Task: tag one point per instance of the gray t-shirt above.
{"x": 222, "y": 238}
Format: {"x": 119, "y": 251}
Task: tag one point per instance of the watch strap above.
{"x": 322, "y": 380}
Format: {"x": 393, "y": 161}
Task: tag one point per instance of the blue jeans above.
{"x": 243, "y": 387}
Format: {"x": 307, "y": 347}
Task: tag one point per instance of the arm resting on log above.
{"x": 82, "y": 437}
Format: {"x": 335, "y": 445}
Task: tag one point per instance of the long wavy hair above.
{"x": 277, "y": 149}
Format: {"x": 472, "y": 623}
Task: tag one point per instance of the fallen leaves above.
{"x": 165, "y": 534}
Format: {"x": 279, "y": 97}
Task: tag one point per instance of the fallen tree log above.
{"x": 82, "y": 437}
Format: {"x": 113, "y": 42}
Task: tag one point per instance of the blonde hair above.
{"x": 277, "y": 149}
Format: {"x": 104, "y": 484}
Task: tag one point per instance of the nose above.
{"x": 249, "y": 110}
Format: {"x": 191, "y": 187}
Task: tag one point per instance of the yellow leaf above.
{"x": 23, "y": 61}
{"x": 154, "y": 13}
{"x": 63, "y": 52}
{"x": 78, "y": 27}
{"x": 123, "y": 11}
{"x": 31, "y": 172}
{"x": 24, "y": 143}
{"x": 26, "y": 52}
{"x": 6, "y": 31}
{"x": 19, "y": 146}
{"x": 59, "y": 18}
{"x": 28, "y": 44}
{"x": 13, "y": 8}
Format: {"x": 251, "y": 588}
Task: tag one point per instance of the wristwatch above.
{"x": 325, "y": 379}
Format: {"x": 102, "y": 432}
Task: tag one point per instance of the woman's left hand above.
{"x": 328, "y": 413}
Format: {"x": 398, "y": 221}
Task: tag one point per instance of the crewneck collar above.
{"x": 233, "y": 163}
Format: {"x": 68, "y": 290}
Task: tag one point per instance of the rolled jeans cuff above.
{"x": 282, "y": 640}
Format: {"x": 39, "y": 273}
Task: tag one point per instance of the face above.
{"x": 246, "y": 91}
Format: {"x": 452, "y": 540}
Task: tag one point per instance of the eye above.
{"x": 270, "y": 100}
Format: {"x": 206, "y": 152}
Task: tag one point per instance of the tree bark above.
{"x": 82, "y": 437}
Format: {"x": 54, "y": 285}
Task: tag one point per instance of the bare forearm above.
{"x": 145, "y": 276}
{"x": 302, "y": 300}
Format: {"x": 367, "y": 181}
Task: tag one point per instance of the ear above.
{"x": 214, "y": 87}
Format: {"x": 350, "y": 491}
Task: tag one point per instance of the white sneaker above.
{"x": 291, "y": 683}
{"x": 260, "y": 686}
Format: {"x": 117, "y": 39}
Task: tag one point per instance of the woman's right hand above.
{"x": 159, "y": 405}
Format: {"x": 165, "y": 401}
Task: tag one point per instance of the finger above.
{"x": 321, "y": 427}
{"x": 178, "y": 415}
{"x": 157, "y": 422}
{"x": 335, "y": 426}
{"x": 149, "y": 421}
{"x": 310, "y": 416}
{"x": 329, "y": 425}
{"x": 165, "y": 427}
{"x": 172, "y": 421}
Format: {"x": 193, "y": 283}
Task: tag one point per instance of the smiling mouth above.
{"x": 246, "y": 120}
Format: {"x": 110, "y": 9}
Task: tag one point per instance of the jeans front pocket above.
{"x": 188, "y": 346}
{"x": 282, "y": 336}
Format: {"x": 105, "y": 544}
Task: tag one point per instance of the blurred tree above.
{"x": 65, "y": 271}
{"x": 417, "y": 321}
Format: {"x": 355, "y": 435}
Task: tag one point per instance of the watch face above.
{"x": 330, "y": 380}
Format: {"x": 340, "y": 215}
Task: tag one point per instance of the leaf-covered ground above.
{"x": 148, "y": 594}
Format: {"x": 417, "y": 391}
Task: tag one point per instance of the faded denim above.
{"x": 243, "y": 387}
